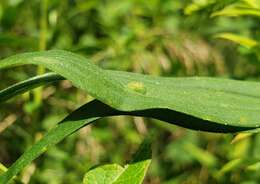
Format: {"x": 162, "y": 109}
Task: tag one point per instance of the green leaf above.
{"x": 132, "y": 173}
{"x": 76, "y": 120}
{"x": 198, "y": 103}
{"x": 26, "y": 85}
{"x": 197, "y": 5}
{"x": 229, "y": 166}
{"x": 204, "y": 5}
{"x": 216, "y": 105}
{"x": 203, "y": 156}
{"x": 103, "y": 175}
{"x": 246, "y": 42}
{"x": 253, "y": 3}
{"x": 69, "y": 125}
{"x": 2, "y": 168}
{"x": 247, "y": 163}
{"x": 161, "y": 114}
{"x": 234, "y": 11}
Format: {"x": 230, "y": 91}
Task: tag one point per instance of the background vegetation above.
{"x": 167, "y": 38}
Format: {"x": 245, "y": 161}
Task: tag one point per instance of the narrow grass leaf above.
{"x": 235, "y": 11}
{"x": 70, "y": 124}
{"x": 213, "y": 103}
{"x": 216, "y": 105}
{"x": 246, "y": 42}
{"x": 26, "y": 85}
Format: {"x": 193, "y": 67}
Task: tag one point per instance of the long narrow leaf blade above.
{"x": 89, "y": 113}
{"x": 76, "y": 120}
{"x": 27, "y": 85}
{"x": 166, "y": 115}
{"x": 244, "y": 41}
{"x": 221, "y": 101}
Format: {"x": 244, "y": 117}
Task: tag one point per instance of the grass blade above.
{"x": 211, "y": 103}
{"x": 27, "y": 85}
{"x": 76, "y": 120}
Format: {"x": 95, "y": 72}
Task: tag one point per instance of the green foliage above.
{"x": 2, "y": 168}
{"x": 103, "y": 174}
{"x": 246, "y": 42}
{"x": 240, "y": 8}
{"x": 133, "y": 172}
{"x": 161, "y": 38}
{"x": 234, "y": 107}
{"x": 24, "y": 86}
{"x": 123, "y": 97}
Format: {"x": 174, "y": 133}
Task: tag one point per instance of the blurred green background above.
{"x": 217, "y": 38}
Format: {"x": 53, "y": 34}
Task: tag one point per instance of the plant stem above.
{"x": 42, "y": 46}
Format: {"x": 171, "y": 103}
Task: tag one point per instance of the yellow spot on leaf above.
{"x": 137, "y": 87}
{"x": 243, "y": 119}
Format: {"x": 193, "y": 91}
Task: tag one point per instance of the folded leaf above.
{"x": 216, "y": 105}
{"x": 199, "y": 103}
